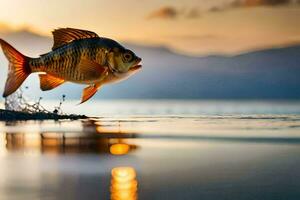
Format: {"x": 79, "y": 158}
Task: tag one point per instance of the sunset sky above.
{"x": 190, "y": 26}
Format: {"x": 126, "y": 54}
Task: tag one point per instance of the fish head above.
{"x": 123, "y": 61}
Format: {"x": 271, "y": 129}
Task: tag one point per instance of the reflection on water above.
{"x": 149, "y": 157}
{"x": 119, "y": 149}
{"x": 123, "y": 183}
{"x": 90, "y": 140}
{"x": 58, "y": 143}
{"x": 93, "y": 139}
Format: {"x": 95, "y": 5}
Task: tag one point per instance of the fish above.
{"x": 77, "y": 56}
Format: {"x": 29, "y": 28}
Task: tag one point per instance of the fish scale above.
{"x": 64, "y": 61}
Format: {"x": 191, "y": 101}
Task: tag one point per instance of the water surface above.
{"x": 155, "y": 150}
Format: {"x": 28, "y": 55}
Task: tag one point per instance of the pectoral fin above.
{"x": 88, "y": 92}
{"x": 92, "y": 69}
{"x": 48, "y": 82}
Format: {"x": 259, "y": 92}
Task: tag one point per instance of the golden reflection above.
{"x": 119, "y": 149}
{"x": 123, "y": 184}
{"x": 87, "y": 141}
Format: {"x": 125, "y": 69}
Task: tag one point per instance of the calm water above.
{"x": 155, "y": 150}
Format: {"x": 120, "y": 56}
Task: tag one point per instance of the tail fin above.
{"x": 18, "y": 68}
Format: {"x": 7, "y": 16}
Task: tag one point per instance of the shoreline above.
{"x": 8, "y": 115}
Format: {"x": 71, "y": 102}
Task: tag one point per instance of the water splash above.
{"x": 19, "y": 102}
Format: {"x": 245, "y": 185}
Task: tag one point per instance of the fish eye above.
{"x": 127, "y": 57}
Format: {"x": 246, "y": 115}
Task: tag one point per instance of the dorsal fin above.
{"x": 64, "y": 36}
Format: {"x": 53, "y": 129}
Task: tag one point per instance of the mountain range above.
{"x": 272, "y": 73}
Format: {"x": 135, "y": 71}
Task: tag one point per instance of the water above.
{"x": 155, "y": 150}
{"x": 177, "y": 107}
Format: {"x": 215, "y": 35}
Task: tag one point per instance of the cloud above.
{"x": 216, "y": 9}
{"x": 169, "y": 12}
{"x": 249, "y": 3}
{"x": 166, "y": 12}
{"x": 193, "y": 13}
{"x": 252, "y": 3}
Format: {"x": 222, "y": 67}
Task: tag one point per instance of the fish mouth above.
{"x": 131, "y": 70}
{"x": 137, "y": 65}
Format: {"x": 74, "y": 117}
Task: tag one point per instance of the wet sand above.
{"x": 157, "y": 157}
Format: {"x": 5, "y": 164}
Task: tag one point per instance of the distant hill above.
{"x": 264, "y": 74}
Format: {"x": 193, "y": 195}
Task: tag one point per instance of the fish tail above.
{"x": 18, "y": 68}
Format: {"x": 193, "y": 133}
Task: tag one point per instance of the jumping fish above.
{"x": 77, "y": 56}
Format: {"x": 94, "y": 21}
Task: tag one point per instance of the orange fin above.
{"x": 48, "y": 82}
{"x": 64, "y": 36}
{"x": 92, "y": 69}
{"x": 18, "y": 68}
{"x": 88, "y": 92}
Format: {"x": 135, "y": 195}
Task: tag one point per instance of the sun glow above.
{"x": 123, "y": 183}
{"x": 119, "y": 149}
